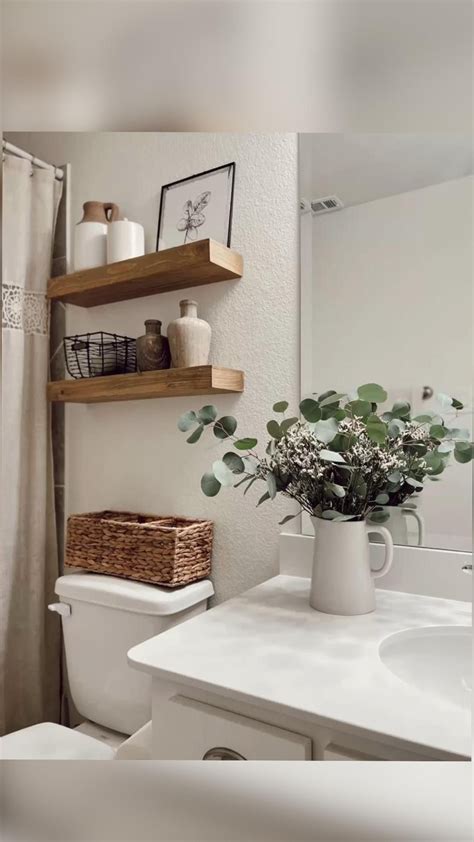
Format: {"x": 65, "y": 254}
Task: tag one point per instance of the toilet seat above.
{"x": 48, "y": 741}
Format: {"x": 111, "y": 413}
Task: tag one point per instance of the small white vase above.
{"x": 125, "y": 239}
{"x": 398, "y": 528}
{"x": 189, "y": 337}
{"x": 342, "y": 580}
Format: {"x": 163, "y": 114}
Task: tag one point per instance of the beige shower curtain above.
{"x": 29, "y": 634}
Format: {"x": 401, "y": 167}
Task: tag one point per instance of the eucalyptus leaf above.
{"x": 446, "y": 401}
{"x": 242, "y": 481}
{"x": 414, "y": 482}
{"x": 433, "y": 460}
{"x": 252, "y": 480}
{"x": 337, "y": 490}
{"x": 287, "y": 423}
{"x": 424, "y": 419}
{"x": 361, "y": 409}
{"x": 331, "y": 456}
{"x": 401, "y": 409}
{"x": 437, "y": 431}
{"x": 457, "y": 404}
{"x": 395, "y": 427}
{"x": 333, "y": 412}
{"x": 379, "y": 517}
{"x": 210, "y": 485}
{"x": 376, "y": 429}
{"x": 250, "y": 464}
{"x": 310, "y": 410}
{"x": 225, "y": 427}
{"x": 234, "y": 462}
{"x": 457, "y": 435}
{"x": 196, "y": 435}
{"x": 187, "y": 421}
{"x": 263, "y": 498}
{"x": 340, "y": 518}
{"x": 329, "y": 514}
{"x": 245, "y": 444}
{"x": 281, "y": 406}
{"x": 328, "y": 394}
{"x": 222, "y": 473}
{"x": 463, "y": 452}
{"x": 274, "y": 430}
{"x": 207, "y": 414}
{"x": 446, "y": 446}
{"x": 395, "y": 476}
{"x": 332, "y": 399}
{"x": 372, "y": 392}
{"x": 325, "y": 431}
{"x": 382, "y": 499}
{"x": 271, "y": 485}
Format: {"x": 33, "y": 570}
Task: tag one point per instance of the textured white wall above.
{"x": 131, "y": 455}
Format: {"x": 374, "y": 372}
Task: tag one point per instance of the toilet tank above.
{"x": 107, "y": 617}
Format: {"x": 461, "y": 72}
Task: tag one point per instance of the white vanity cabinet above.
{"x": 198, "y": 731}
{"x": 265, "y": 677}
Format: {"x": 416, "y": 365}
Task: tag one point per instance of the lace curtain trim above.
{"x": 24, "y": 310}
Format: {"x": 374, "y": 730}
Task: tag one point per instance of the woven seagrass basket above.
{"x": 169, "y": 551}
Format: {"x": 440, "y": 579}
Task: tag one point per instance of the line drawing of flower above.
{"x": 193, "y": 218}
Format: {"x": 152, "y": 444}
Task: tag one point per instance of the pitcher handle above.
{"x": 381, "y": 530}
{"x": 421, "y": 524}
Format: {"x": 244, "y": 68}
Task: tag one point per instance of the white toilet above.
{"x": 103, "y": 617}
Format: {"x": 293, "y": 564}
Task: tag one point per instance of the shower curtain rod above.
{"x": 36, "y": 162}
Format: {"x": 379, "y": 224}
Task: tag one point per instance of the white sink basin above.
{"x": 435, "y": 659}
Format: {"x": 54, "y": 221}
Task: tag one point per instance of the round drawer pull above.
{"x": 219, "y": 753}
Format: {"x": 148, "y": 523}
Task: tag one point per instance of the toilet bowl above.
{"x": 102, "y": 618}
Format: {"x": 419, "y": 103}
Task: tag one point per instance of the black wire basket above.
{"x": 99, "y": 354}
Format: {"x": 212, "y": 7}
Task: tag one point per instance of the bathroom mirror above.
{"x": 386, "y": 284}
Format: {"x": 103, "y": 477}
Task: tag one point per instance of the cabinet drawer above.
{"x": 195, "y": 729}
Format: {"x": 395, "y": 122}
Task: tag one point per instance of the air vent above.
{"x": 329, "y": 203}
{"x": 305, "y": 206}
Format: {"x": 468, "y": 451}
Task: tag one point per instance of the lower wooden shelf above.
{"x": 170, "y": 383}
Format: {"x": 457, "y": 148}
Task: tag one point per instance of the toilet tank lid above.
{"x": 132, "y": 596}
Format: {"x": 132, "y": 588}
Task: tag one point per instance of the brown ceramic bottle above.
{"x": 100, "y": 212}
{"x": 153, "y": 350}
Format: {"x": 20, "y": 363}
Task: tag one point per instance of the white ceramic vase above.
{"x": 342, "y": 580}
{"x": 189, "y": 337}
{"x": 398, "y": 527}
{"x": 125, "y": 239}
{"x": 90, "y": 234}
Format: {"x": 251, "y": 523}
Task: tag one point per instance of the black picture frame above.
{"x": 231, "y": 167}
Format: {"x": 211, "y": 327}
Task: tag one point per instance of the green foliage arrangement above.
{"x": 344, "y": 460}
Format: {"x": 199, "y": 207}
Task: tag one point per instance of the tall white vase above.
{"x": 342, "y": 580}
{"x": 189, "y": 337}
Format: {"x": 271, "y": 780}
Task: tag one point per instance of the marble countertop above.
{"x": 268, "y": 647}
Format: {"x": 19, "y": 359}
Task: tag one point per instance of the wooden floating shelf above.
{"x": 169, "y": 383}
{"x": 190, "y": 265}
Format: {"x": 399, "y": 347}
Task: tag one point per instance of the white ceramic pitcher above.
{"x": 342, "y": 580}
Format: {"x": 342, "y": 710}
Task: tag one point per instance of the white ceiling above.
{"x": 362, "y": 167}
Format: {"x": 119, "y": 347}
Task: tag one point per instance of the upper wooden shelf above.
{"x": 190, "y": 265}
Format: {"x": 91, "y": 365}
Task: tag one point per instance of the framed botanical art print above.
{"x": 197, "y": 208}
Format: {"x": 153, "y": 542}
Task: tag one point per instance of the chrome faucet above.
{"x": 467, "y": 568}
